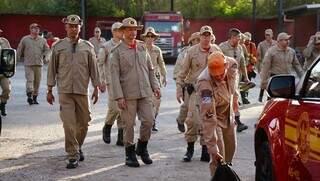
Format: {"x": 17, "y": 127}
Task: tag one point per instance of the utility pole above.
{"x": 254, "y": 18}
{"x": 84, "y": 18}
{"x": 171, "y": 5}
{"x": 280, "y": 15}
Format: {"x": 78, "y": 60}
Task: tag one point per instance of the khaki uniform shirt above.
{"x": 97, "y": 43}
{"x": 238, "y": 54}
{"x": 194, "y": 63}
{"x": 179, "y": 62}
{"x": 262, "y": 50}
{"x": 4, "y": 43}
{"x": 33, "y": 50}
{"x": 157, "y": 61}
{"x": 218, "y": 101}
{"x": 132, "y": 73}
{"x": 104, "y": 60}
{"x": 310, "y": 54}
{"x": 278, "y": 61}
{"x": 72, "y": 66}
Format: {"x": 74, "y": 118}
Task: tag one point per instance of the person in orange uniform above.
{"x": 218, "y": 96}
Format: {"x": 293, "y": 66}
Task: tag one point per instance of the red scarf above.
{"x": 133, "y": 45}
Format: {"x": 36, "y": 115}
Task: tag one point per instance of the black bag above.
{"x": 225, "y": 173}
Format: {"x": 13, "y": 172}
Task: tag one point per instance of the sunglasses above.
{"x": 97, "y": 31}
{"x": 150, "y": 36}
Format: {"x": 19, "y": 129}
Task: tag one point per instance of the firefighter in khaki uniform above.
{"x": 97, "y": 41}
{"x": 261, "y": 51}
{"x": 193, "y": 40}
{"x": 232, "y": 48}
{"x": 32, "y": 48}
{"x": 312, "y": 51}
{"x": 280, "y": 59}
{"x": 149, "y": 37}
{"x": 4, "y": 82}
{"x": 72, "y": 66}
{"x": 104, "y": 70}
{"x": 218, "y": 97}
{"x": 194, "y": 63}
{"x": 133, "y": 82}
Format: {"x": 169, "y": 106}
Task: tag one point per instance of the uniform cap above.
{"x": 72, "y": 19}
{"x": 33, "y": 25}
{"x": 130, "y": 23}
{"x": 151, "y": 31}
{"x": 115, "y": 26}
{"x": 206, "y": 28}
{"x": 243, "y": 36}
{"x": 317, "y": 39}
{"x": 283, "y": 36}
{"x": 193, "y": 36}
{"x": 216, "y": 63}
{"x": 268, "y": 32}
{"x": 248, "y": 36}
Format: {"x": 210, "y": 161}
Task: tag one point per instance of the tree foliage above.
{"x": 135, "y": 8}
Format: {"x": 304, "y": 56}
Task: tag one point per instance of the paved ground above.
{"x": 32, "y": 143}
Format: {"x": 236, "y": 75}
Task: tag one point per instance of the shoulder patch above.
{"x": 206, "y": 96}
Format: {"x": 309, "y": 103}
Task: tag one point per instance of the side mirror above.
{"x": 282, "y": 86}
{"x": 8, "y": 62}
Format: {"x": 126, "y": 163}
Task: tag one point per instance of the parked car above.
{"x": 287, "y": 136}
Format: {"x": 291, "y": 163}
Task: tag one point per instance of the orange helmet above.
{"x": 216, "y": 63}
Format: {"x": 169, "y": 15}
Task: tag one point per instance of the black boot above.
{"x": 131, "y": 159}
{"x": 154, "y": 126}
{"x": 181, "y": 127}
{"x": 143, "y": 152}
{"x": 189, "y": 154}
{"x": 205, "y": 157}
{"x": 3, "y": 109}
{"x": 81, "y": 155}
{"x": 240, "y": 125}
{"x": 244, "y": 98}
{"x": 261, "y": 95}
{"x": 106, "y": 133}
{"x": 72, "y": 163}
{"x": 29, "y": 100}
{"x": 35, "y": 101}
{"x": 120, "y": 137}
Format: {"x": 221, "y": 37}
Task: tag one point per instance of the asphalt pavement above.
{"x": 32, "y": 142}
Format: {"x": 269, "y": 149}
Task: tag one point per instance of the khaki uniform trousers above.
{"x": 75, "y": 115}
{"x": 33, "y": 76}
{"x": 144, "y": 108}
{"x": 183, "y": 108}
{"x": 156, "y": 102}
{"x": 113, "y": 112}
{"x": 6, "y": 89}
{"x": 193, "y": 121}
{"x": 227, "y": 143}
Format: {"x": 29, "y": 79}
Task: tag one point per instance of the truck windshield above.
{"x": 164, "y": 26}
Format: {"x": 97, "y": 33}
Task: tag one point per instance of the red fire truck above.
{"x": 170, "y": 27}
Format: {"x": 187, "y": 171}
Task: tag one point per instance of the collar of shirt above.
{"x": 206, "y": 50}
{"x": 70, "y": 41}
{"x": 34, "y": 37}
{"x": 133, "y": 45}
{"x": 282, "y": 50}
